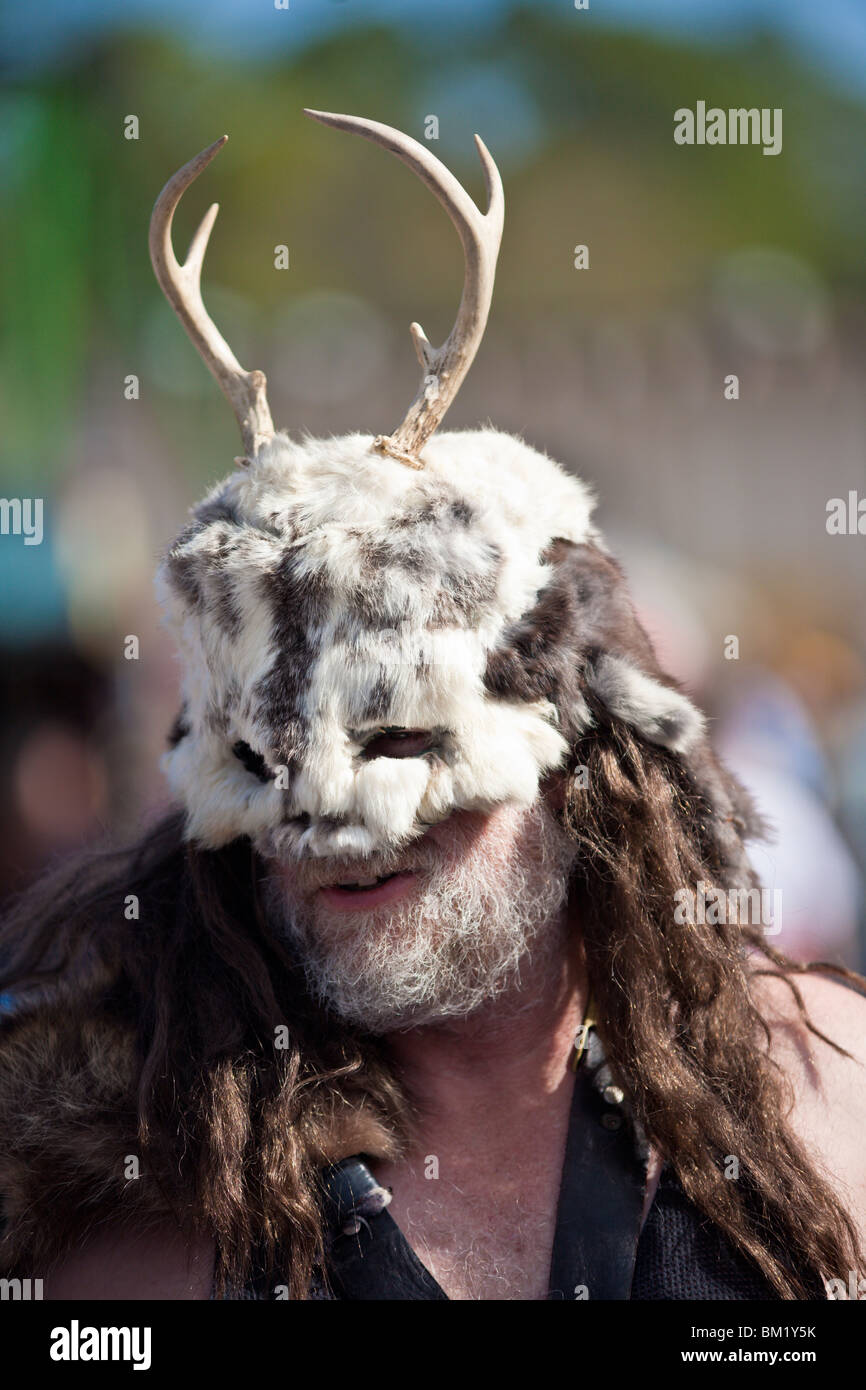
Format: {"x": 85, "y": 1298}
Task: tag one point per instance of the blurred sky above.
{"x": 831, "y": 33}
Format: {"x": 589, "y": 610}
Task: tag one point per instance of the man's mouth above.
{"x": 366, "y": 891}
{"x": 363, "y": 883}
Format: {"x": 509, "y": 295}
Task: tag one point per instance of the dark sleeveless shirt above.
{"x": 680, "y": 1255}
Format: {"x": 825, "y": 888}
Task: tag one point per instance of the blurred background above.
{"x": 703, "y": 262}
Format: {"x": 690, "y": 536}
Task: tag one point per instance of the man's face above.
{"x": 452, "y": 922}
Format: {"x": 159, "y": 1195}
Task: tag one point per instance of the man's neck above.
{"x": 505, "y": 1063}
{"x": 492, "y": 1095}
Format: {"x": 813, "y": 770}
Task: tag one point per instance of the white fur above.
{"x": 321, "y": 499}
{"x": 660, "y": 714}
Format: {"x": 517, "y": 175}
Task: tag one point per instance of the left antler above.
{"x": 181, "y": 284}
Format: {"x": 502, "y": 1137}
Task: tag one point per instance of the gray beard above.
{"x": 475, "y": 929}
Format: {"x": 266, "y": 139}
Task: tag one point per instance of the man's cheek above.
{"x": 460, "y": 831}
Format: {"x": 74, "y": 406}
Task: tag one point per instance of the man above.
{"x": 408, "y": 1006}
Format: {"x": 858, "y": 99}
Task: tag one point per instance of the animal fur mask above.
{"x": 334, "y": 588}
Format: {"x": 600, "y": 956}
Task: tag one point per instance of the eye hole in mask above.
{"x": 252, "y": 761}
{"x": 399, "y": 743}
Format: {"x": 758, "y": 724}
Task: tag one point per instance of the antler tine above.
{"x": 446, "y": 366}
{"x": 181, "y": 285}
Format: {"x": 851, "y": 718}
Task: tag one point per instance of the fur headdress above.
{"x": 332, "y": 588}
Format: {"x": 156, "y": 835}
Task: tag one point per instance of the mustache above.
{"x": 308, "y": 875}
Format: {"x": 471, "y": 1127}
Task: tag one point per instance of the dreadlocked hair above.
{"x": 235, "y": 1089}
{"x": 239, "y": 1089}
{"x": 678, "y": 1020}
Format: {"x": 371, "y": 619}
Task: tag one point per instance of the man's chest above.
{"x": 481, "y": 1237}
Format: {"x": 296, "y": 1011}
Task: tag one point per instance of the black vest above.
{"x": 600, "y": 1250}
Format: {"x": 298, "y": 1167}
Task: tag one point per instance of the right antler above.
{"x": 444, "y": 367}
{"x": 181, "y": 284}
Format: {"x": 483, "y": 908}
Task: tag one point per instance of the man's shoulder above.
{"x": 827, "y": 1087}
{"x": 137, "y": 1264}
{"x": 834, "y": 1007}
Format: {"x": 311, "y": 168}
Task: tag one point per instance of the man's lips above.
{"x": 352, "y": 899}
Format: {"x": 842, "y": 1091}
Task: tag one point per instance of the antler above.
{"x": 181, "y": 285}
{"x": 446, "y": 366}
